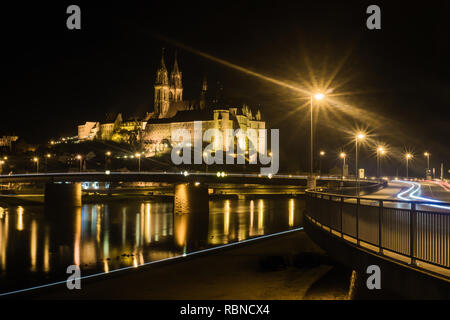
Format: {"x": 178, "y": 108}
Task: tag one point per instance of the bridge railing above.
{"x": 413, "y": 232}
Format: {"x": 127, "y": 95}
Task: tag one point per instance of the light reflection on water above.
{"x": 36, "y": 246}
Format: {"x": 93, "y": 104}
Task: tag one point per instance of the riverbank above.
{"x": 288, "y": 267}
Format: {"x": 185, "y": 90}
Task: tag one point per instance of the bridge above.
{"x": 68, "y": 184}
{"x": 157, "y": 176}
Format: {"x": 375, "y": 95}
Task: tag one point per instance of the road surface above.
{"x": 435, "y": 192}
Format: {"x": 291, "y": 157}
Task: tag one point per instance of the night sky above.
{"x": 55, "y": 78}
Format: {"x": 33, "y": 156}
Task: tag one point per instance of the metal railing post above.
{"x": 330, "y": 214}
{"x": 342, "y": 209}
{"x": 380, "y": 225}
{"x": 357, "y": 220}
{"x": 412, "y": 232}
{"x": 308, "y": 204}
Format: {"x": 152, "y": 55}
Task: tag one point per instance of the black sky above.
{"x": 56, "y": 78}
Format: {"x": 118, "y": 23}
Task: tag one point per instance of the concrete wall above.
{"x": 191, "y": 214}
{"x": 62, "y": 194}
{"x": 396, "y": 278}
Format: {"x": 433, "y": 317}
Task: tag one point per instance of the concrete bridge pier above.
{"x": 311, "y": 182}
{"x": 191, "y": 215}
{"x": 63, "y": 194}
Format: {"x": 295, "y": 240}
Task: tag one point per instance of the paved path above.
{"x": 285, "y": 267}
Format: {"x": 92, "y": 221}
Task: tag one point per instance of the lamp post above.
{"x": 36, "y": 160}
{"x": 428, "y": 173}
{"x": 138, "y": 156}
{"x": 343, "y": 156}
{"x": 380, "y": 151}
{"x": 427, "y": 154}
{"x": 359, "y": 136}
{"x": 2, "y": 162}
{"x": 107, "y": 154}
{"x": 80, "y": 158}
{"x": 321, "y": 154}
{"x": 318, "y": 96}
{"x": 47, "y": 156}
{"x": 407, "y": 157}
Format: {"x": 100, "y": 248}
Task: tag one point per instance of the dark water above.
{"x": 37, "y": 245}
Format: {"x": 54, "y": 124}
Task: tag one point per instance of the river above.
{"x": 37, "y": 244}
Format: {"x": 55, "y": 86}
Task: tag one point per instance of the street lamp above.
{"x": 407, "y": 157}
{"x": 359, "y": 137}
{"x": 321, "y": 154}
{"x": 107, "y": 154}
{"x": 47, "y": 156}
{"x": 138, "y": 155}
{"x": 427, "y": 154}
{"x": 36, "y": 160}
{"x": 343, "y": 156}
{"x": 380, "y": 151}
{"x": 317, "y": 96}
{"x": 79, "y": 157}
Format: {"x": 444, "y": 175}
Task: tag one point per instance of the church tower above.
{"x": 203, "y": 94}
{"x": 161, "y": 105}
{"x": 176, "y": 86}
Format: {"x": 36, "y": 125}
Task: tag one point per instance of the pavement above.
{"x": 389, "y": 192}
{"x": 438, "y": 190}
{"x": 430, "y": 191}
{"x": 288, "y": 266}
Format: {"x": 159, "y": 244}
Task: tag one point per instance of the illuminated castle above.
{"x": 171, "y": 112}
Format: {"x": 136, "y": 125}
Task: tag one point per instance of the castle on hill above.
{"x": 171, "y": 112}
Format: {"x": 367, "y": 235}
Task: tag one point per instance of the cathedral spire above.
{"x": 203, "y": 93}
{"x": 163, "y": 65}
{"x": 176, "y": 85}
{"x": 161, "y": 98}
{"x": 162, "y": 77}
{"x": 204, "y": 84}
{"x": 175, "y": 64}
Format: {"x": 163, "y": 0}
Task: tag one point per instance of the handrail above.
{"x": 312, "y": 191}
